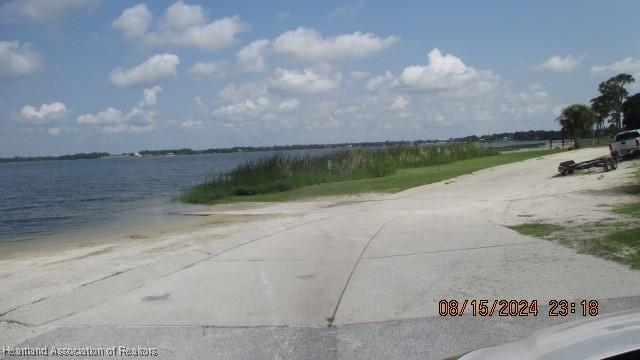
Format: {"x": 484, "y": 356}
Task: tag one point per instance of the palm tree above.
{"x": 602, "y": 110}
{"x": 576, "y": 121}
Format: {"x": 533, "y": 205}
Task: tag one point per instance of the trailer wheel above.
{"x": 614, "y": 164}
{"x": 606, "y": 166}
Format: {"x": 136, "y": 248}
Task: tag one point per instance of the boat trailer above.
{"x": 606, "y": 163}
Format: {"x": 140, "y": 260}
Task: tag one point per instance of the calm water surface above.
{"x": 52, "y": 197}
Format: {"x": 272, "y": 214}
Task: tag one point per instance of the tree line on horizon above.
{"x": 516, "y": 136}
{"x": 613, "y": 107}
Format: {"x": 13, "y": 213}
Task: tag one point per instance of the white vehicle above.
{"x": 613, "y": 336}
{"x": 626, "y": 143}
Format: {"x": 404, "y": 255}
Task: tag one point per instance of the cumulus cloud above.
{"x": 203, "y": 70}
{"x": 150, "y": 96}
{"x": 308, "y": 45}
{"x": 233, "y": 92}
{"x": 246, "y": 107}
{"x": 448, "y": 72}
{"x": 181, "y": 25}
{"x": 44, "y": 10}
{"x": 252, "y": 56}
{"x": 134, "y": 21}
{"x": 253, "y": 101}
{"x": 108, "y": 116}
{"x": 400, "y": 102}
{"x": 560, "y": 64}
{"x": 46, "y": 114}
{"x": 18, "y": 59}
{"x": 626, "y": 65}
{"x": 525, "y": 103}
{"x": 152, "y": 70}
{"x": 288, "y": 105}
{"x": 308, "y": 81}
{"x": 385, "y": 80}
{"x": 191, "y": 124}
{"x": 140, "y": 118}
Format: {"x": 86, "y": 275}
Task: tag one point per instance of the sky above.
{"x": 123, "y": 76}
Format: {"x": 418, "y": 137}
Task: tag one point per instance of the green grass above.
{"x": 628, "y": 209}
{"x": 622, "y": 246}
{"x": 398, "y": 180}
{"x": 536, "y": 229}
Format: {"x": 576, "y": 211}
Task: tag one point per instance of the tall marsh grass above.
{"x": 286, "y": 172}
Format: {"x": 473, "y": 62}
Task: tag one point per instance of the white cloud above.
{"x": 381, "y": 81}
{"x": 308, "y": 45}
{"x": 191, "y": 124}
{"x": 400, "y": 102}
{"x": 253, "y": 100}
{"x": 108, "y": 116}
{"x": 134, "y": 21}
{"x": 525, "y": 103}
{"x": 181, "y": 25}
{"x": 448, "y": 72}
{"x": 150, "y": 96}
{"x": 45, "y": 115}
{"x": 252, "y": 56}
{"x": 203, "y": 70}
{"x": 54, "y": 131}
{"x": 251, "y": 107}
{"x": 626, "y": 65}
{"x": 233, "y": 92}
{"x": 560, "y": 64}
{"x": 44, "y": 10}
{"x": 288, "y": 105}
{"x": 127, "y": 128}
{"x": 213, "y": 36}
{"x": 151, "y": 71}
{"x": 182, "y": 16}
{"x": 18, "y": 59}
{"x": 140, "y": 118}
{"x": 308, "y": 81}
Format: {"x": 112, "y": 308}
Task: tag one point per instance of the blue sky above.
{"x": 120, "y": 76}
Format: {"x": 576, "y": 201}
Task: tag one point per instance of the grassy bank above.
{"x": 615, "y": 238}
{"x": 401, "y": 170}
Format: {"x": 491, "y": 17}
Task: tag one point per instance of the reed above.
{"x": 286, "y": 172}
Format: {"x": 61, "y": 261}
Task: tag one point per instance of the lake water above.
{"x": 51, "y": 197}
{"x": 46, "y": 198}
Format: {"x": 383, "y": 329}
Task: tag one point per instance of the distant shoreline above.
{"x": 531, "y": 135}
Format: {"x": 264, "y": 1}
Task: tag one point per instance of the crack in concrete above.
{"x": 332, "y": 318}
{"x": 445, "y": 251}
{"x": 257, "y": 260}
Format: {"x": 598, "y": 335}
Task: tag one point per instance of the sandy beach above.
{"x": 328, "y": 262}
